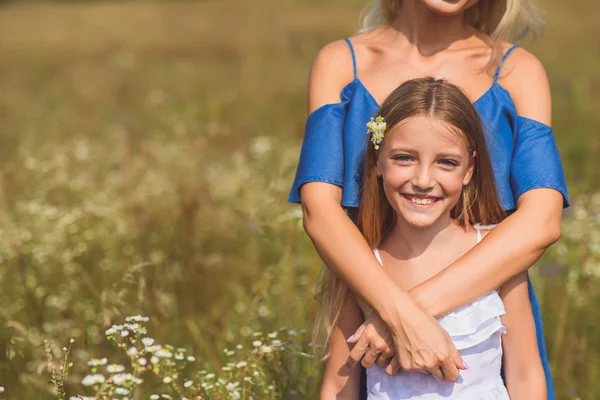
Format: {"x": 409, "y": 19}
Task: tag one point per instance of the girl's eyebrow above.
{"x": 450, "y": 154}
{"x": 403, "y": 149}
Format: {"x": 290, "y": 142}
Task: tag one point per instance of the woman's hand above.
{"x": 378, "y": 339}
{"x": 419, "y": 343}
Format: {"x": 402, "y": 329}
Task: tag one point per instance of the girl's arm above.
{"x": 339, "y": 381}
{"x": 520, "y": 239}
{"x": 525, "y": 379}
{"x": 421, "y": 343}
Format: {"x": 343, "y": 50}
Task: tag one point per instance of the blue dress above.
{"x": 523, "y": 152}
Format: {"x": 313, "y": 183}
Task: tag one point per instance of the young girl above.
{"x": 428, "y": 184}
{"x": 463, "y": 41}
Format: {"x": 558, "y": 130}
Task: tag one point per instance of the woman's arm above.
{"x": 520, "y": 239}
{"x": 420, "y": 342}
{"x": 339, "y": 381}
{"x": 525, "y": 379}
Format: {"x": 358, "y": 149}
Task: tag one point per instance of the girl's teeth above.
{"x": 421, "y": 201}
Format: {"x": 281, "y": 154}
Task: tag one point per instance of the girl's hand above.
{"x": 420, "y": 343}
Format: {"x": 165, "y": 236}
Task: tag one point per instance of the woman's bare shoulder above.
{"x": 524, "y": 77}
{"x": 331, "y": 70}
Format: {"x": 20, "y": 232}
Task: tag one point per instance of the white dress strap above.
{"x": 478, "y": 227}
{"x": 377, "y": 256}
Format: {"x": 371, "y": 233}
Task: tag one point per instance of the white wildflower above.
{"x": 257, "y": 343}
{"x": 179, "y": 356}
{"x": 142, "y": 361}
{"x": 153, "y": 349}
{"x": 125, "y": 333}
{"x": 121, "y": 379}
{"x": 191, "y": 358}
{"x": 154, "y": 360}
{"x": 94, "y": 362}
{"x": 121, "y": 390}
{"x": 272, "y": 335}
{"x": 137, "y": 318}
{"x": 165, "y": 353}
{"x": 188, "y": 384}
{"x": 241, "y": 364}
{"x": 91, "y": 380}
{"x": 148, "y": 342}
{"x": 132, "y": 351}
{"x": 167, "y": 379}
{"x": 114, "y": 368}
{"x": 154, "y": 397}
{"x": 266, "y": 349}
{"x": 209, "y": 376}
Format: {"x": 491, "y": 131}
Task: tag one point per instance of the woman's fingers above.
{"x": 385, "y": 357}
{"x": 359, "y": 332}
{"x": 372, "y": 340}
{"x": 377, "y": 346}
{"x": 449, "y": 368}
{"x": 394, "y": 366}
{"x": 357, "y": 353}
{"x": 437, "y": 374}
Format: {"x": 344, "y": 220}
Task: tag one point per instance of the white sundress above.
{"x": 476, "y": 330}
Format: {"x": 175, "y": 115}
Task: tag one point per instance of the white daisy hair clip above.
{"x": 376, "y": 129}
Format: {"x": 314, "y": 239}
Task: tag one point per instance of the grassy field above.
{"x": 146, "y": 151}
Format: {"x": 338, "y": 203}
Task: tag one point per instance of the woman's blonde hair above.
{"x": 503, "y": 20}
{"x": 478, "y": 202}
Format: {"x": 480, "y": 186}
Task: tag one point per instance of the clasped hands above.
{"x": 417, "y": 343}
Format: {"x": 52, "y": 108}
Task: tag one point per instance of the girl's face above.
{"x": 424, "y": 167}
{"x": 448, "y": 7}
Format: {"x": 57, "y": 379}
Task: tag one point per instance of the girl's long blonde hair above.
{"x": 478, "y": 202}
{"x": 503, "y": 20}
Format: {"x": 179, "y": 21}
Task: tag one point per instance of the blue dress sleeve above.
{"x": 322, "y": 153}
{"x": 536, "y": 161}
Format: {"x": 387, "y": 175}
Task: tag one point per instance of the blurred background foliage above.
{"x": 146, "y": 152}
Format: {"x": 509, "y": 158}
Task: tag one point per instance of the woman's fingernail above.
{"x": 350, "y": 339}
{"x": 465, "y": 364}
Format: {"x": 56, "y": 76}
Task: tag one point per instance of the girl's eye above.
{"x": 402, "y": 158}
{"x": 448, "y": 163}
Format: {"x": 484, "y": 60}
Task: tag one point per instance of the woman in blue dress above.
{"x": 462, "y": 41}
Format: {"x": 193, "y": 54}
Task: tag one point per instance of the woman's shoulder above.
{"x": 331, "y": 70}
{"x": 524, "y": 77}
{"x": 333, "y": 67}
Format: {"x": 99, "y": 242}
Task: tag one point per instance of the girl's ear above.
{"x": 470, "y": 170}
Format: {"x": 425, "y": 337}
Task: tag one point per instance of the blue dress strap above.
{"x": 502, "y": 62}
{"x": 353, "y": 56}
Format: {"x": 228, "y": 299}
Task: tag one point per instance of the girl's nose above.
{"x": 423, "y": 179}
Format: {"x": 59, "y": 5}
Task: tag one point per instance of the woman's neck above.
{"x": 407, "y": 241}
{"x": 428, "y": 31}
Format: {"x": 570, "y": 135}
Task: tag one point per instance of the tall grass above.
{"x": 146, "y": 151}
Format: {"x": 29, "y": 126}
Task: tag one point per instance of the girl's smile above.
{"x": 421, "y": 201}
